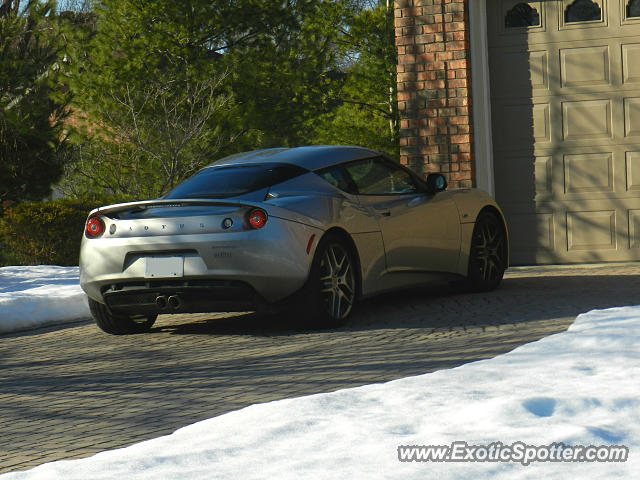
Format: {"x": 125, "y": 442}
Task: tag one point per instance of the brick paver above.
{"x": 69, "y": 392}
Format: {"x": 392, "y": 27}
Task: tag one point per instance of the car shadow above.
{"x": 519, "y": 300}
{"x": 249, "y": 323}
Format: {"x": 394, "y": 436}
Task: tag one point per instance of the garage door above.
{"x": 565, "y": 94}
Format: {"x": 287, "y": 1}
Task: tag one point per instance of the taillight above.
{"x": 94, "y": 227}
{"x": 257, "y": 218}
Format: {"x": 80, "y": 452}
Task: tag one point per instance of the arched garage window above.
{"x": 582, "y": 11}
{"x": 522, "y": 15}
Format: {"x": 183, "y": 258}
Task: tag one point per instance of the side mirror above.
{"x": 436, "y": 183}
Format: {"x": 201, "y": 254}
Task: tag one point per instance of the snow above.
{"x": 40, "y": 295}
{"x": 578, "y": 387}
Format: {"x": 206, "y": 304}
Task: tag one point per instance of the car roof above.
{"x": 311, "y": 157}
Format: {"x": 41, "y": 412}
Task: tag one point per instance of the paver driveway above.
{"x": 71, "y": 392}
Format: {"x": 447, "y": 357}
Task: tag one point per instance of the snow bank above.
{"x": 39, "y": 295}
{"x": 577, "y": 387}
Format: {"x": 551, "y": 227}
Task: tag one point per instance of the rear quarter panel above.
{"x": 309, "y": 199}
{"x": 312, "y": 200}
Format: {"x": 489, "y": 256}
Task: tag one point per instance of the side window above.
{"x": 337, "y": 177}
{"x": 376, "y": 176}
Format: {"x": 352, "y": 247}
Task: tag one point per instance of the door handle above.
{"x": 386, "y": 213}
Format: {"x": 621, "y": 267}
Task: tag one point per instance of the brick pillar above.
{"x": 434, "y": 88}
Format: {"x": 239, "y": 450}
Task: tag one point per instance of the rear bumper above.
{"x": 170, "y": 296}
{"x": 273, "y": 262}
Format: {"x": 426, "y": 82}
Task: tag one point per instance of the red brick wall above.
{"x": 434, "y": 88}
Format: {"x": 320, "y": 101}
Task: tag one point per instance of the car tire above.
{"x": 117, "y": 324}
{"x": 331, "y": 289}
{"x": 487, "y": 254}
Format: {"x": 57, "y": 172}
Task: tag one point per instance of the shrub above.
{"x": 46, "y": 233}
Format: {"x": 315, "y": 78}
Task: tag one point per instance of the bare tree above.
{"x": 152, "y": 138}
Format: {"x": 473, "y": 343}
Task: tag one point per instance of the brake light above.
{"x": 257, "y": 218}
{"x": 94, "y": 227}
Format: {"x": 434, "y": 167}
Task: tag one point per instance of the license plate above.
{"x": 164, "y": 267}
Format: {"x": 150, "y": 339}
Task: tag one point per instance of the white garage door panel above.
{"x": 565, "y": 94}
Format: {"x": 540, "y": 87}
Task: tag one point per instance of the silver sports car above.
{"x": 314, "y": 227}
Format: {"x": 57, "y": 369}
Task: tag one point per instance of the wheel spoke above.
{"x": 337, "y": 301}
{"x": 491, "y": 234}
{"x": 347, "y": 298}
{"x": 345, "y": 286}
{"x": 485, "y": 267}
{"x": 343, "y": 276}
{"x": 329, "y": 298}
{"x": 326, "y": 263}
{"x": 489, "y": 271}
{"x": 335, "y": 265}
{"x": 485, "y": 236}
{"x": 498, "y": 260}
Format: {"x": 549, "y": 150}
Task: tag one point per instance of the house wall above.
{"x": 434, "y": 88}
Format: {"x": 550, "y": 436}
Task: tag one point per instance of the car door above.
{"x": 421, "y": 232}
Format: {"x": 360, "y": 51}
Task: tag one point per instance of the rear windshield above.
{"x": 232, "y": 180}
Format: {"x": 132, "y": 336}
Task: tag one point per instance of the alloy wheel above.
{"x": 337, "y": 279}
{"x": 488, "y": 250}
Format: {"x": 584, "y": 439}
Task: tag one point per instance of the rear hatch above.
{"x": 170, "y": 217}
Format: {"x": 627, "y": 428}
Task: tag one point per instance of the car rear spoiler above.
{"x": 272, "y": 210}
{"x": 143, "y": 205}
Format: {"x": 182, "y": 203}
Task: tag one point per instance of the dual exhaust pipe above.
{"x": 173, "y": 302}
